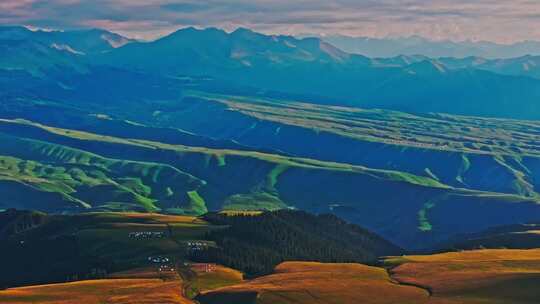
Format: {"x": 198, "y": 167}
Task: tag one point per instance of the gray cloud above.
{"x": 495, "y": 20}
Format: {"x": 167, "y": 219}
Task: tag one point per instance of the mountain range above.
{"x": 417, "y": 45}
{"x": 299, "y": 67}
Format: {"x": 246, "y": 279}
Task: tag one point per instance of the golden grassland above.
{"x": 467, "y": 277}
{"x": 481, "y": 276}
{"x": 310, "y": 282}
{"x": 470, "y": 277}
{"x": 110, "y": 291}
{"x": 203, "y": 277}
{"x": 218, "y": 276}
{"x": 147, "y": 272}
{"x": 136, "y": 286}
{"x": 143, "y": 285}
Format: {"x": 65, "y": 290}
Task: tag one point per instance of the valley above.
{"x": 209, "y": 166}
{"x": 454, "y": 150}
{"x": 160, "y": 156}
{"x": 191, "y": 180}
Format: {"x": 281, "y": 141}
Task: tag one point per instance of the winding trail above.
{"x": 396, "y": 281}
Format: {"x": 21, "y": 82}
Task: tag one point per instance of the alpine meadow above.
{"x": 282, "y": 152}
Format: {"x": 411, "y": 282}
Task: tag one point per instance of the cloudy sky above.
{"x": 493, "y": 20}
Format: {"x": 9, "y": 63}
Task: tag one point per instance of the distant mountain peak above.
{"x": 192, "y": 32}
{"x": 428, "y": 66}
{"x": 192, "y": 29}
{"x": 88, "y": 37}
{"x": 243, "y": 30}
{"x": 247, "y": 34}
{"x": 115, "y": 40}
{"x": 333, "y": 51}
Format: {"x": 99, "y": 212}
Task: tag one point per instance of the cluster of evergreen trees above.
{"x": 14, "y": 221}
{"x": 44, "y": 261}
{"x": 32, "y": 252}
{"x": 255, "y": 244}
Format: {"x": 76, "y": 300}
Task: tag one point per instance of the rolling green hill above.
{"x": 44, "y": 176}
{"x": 155, "y": 175}
{"x": 497, "y": 155}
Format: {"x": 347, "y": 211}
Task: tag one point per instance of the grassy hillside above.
{"x": 197, "y": 279}
{"x": 305, "y": 282}
{"x": 98, "y": 291}
{"x": 93, "y": 245}
{"x": 486, "y": 154}
{"x": 476, "y": 277}
{"x": 90, "y": 246}
{"x": 484, "y": 276}
{"x": 164, "y": 175}
{"x": 466, "y": 278}
{"x": 86, "y": 180}
{"x": 93, "y": 258}
{"x": 417, "y": 144}
{"x": 142, "y": 285}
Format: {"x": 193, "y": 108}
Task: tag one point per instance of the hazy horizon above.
{"x": 485, "y": 20}
{"x": 299, "y": 35}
